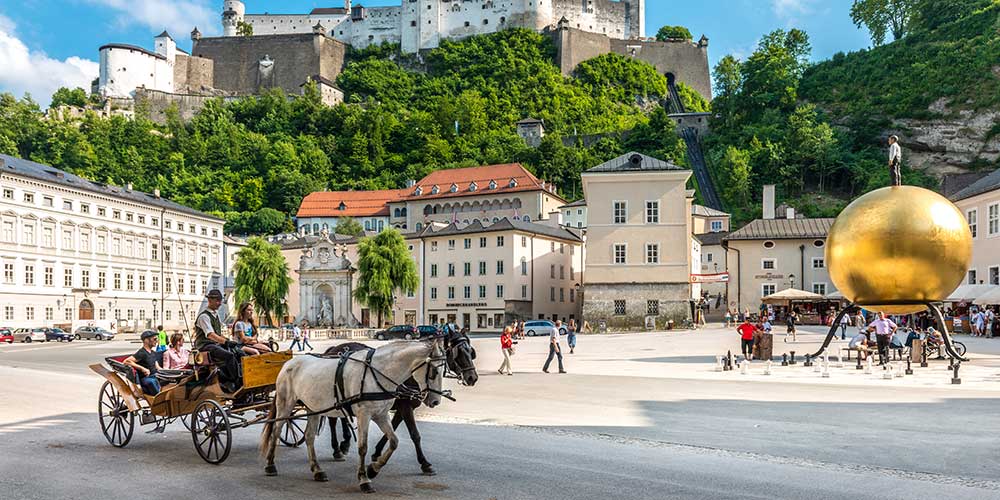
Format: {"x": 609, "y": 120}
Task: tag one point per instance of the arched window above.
{"x": 315, "y": 227}
{"x": 395, "y": 212}
{"x": 527, "y": 219}
{"x": 368, "y": 225}
{"x": 419, "y": 226}
{"x": 402, "y": 212}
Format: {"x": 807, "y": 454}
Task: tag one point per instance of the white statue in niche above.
{"x": 325, "y": 312}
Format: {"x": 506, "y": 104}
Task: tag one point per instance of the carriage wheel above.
{"x": 185, "y": 419}
{"x": 117, "y": 422}
{"x": 211, "y": 433}
{"x": 293, "y": 433}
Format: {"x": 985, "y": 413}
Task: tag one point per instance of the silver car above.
{"x": 93, "y": 332}
{"x": 29, "y": 335}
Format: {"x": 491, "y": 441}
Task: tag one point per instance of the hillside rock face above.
{"x": 951, "y": 144}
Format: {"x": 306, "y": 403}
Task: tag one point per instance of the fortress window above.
{"x": 413, "y": 23}
{"x": 486, "y": 21}
{"x": 467, "y": 24}
{"x": 503, "y": 19}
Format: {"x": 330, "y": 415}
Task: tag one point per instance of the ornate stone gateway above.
{"x": 326, "y": 284}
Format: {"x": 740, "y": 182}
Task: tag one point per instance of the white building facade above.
{"x": 75, "y": 252}
{"x": 123, "y": 68}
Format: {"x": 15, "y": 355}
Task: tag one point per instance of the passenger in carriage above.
{"x": 176, "y": 355}
{"x": 146, "y": 361}
{"x": 245, "y": 331}
{"x": 208, "y": 337}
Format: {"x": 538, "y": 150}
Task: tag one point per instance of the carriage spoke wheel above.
{"x": 186, "y": 420}
{"x": 117, "y": 422}
{"x": 293, "y": 433}
{"x": 210, "y": 431}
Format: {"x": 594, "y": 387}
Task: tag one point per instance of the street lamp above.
{"x": 156, "y": 316}
{"x": 791, "y": 280}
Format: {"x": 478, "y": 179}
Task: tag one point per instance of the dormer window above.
{"x": 342, "y": 206}
{"x": 419, "y": 191}
{"x": 512, "y": 183}
{"x": 454, "y": 188}
{"x": 493, "y": 184}
{"x": 472, "y": 186}
{"x": 435, "y": 189}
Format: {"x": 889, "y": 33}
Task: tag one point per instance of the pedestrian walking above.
{"x": 895, "y": 158}
{"x": 554, "y": 350}
{"x": 746, "y": 331}
{"x": 791, "y": 319}
{"x": 296, "y": 338}
{"x": 305, "y": 339}
{"x": 507, "y": 348}
{"x": 571, "y": 335}
{"x": 884, "y": 329}
{"x": 844, "y": 321}
{"x": 729, "y": 317}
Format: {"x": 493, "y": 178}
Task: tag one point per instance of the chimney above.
{"x": 790, "y": 213}
{"x": 768, "y": 201}
{"x": 156, "y": 192}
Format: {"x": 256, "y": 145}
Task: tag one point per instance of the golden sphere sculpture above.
{"x": 898, "y": 244}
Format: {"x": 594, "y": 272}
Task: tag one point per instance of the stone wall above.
{"x": 237, "y": 60}
{"x": 155, "y": 104}
{"x": 598, "y": 304}
{"x": 192, "y": 74}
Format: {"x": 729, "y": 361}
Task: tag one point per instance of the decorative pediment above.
{"x": 435, "y": 189}
{"x": 473, "y": 186}
{"x": 493, "y": 184}
{"x": 454, "y": 188}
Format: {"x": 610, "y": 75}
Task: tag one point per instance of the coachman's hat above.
{"x": 214, "y": 294}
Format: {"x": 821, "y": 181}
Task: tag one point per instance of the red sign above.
{"x": 710, "y": 278}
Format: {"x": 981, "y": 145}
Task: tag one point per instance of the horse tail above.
{"x": 266, "y": 433}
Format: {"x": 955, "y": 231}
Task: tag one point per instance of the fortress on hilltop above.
{"x": 261, "y": 51}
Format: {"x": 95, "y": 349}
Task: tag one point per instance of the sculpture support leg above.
{"x": 944, "y": 332}
{"x": 833, "y": 331}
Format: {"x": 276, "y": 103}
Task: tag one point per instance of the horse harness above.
{"x": 345, "y": 403}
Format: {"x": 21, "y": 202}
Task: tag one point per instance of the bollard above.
{"x": 718, "y": 363}
{"x": 859, "y": 361}
{"x": 808, "y": 362}
{"x": 840, "y": 357}
{"x": 868, "y": 365}
{"x": 826, "y": 369}
{"x": 899, "y": 370}
{"x": 725, "y": 364}
{"x": 791, "y": 359}
{"x": 887, "y": 371}
{"x": 909, "y": 370}
{"x": 729, "y": 359}
{"x": 816, "y": 366}
{"x": 784, "y": 360}
{"x": 745, "y": 367}
{"x": 954, "y": 378}
{"x": 923, "y": 358}
{"x": 767, "y": 367}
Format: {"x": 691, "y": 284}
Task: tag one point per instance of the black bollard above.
{"x": 954, "y": 379}
{"x": 909, "y": 370}
{"x": 859, "y": 362}
{"x": 792, "y": 360}
{"x": 809, "y": 361}
{"x": 729, "y": 356}
{"x": 923, "y": 359}
{"x": 784, "y": 360}
{"x": 725, "y": 364}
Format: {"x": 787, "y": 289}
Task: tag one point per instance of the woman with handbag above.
{"x": 507, "y": 346}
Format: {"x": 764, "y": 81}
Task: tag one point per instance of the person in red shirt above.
{"x": 507, "y": 346}
{"x": 746, "y": 331}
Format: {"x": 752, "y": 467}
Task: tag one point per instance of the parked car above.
{"x": 58, "y": 335}
{"x": 428, "y": 331}
{"x": 6, "y": 335}
{"x": 541, "y": 327}
{"x": 407, "y": 332}
{"x": 29, "y": 335}
{"x": 93, "y": 332}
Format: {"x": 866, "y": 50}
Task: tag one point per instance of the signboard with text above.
{"x": 710, "y": 278}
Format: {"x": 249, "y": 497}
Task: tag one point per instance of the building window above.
{"x": 993, "y": 219}
{"x": 434, "y": 246}
{"x": 619, "y": 212}
{"x": 499, "y": 267}
{"x": 482, "y": 268}
{"x": 102, "y": 212}
{"x": 653, "y": 307}
{"x": 47, "y": 239}
{"x": 552, "y": 271}
{"x": 482, "y": 242}
{"x": 467, "y": 269}
{"x": 8, "y": 194}
{"x": 499, "y": 241}
{"x": 499, "y": 291}
{"x": 451, "y": 292}
{"x": 451, "y": 269}
{"x": 973, "y": 217}
{"x": 524, "y": 241}
{"x": 84, "y": 208}
{"x": 118, "y": 281}
{"x": 819, "y": 263}
{"x": 29, "y": 275}
{"x": 68, "y": 205}
{"x": 29, "y": 313}
{"x": 767, "y": 264}
{"x": 116, "y": 214}
{"x": 67, "y": 240}
{"x": 8, "y": 231}
{"x": 49, "y": 314}
{"x": 482, "y": 291}
{"x": 619, "y": 307}
{"x": 468, "y": 243}
{"x": 572, "y": 273}
{"x": 142, "y": 283}
{"x": 154, "y": 251}
{"x": 562, "y": 272}
{"x": 128, "y": 216}
{"x": 68, "y": 278}
{"x": 767, "y": 289}
{"x": 451, "y": 244}
{"x": 715, "y": 226}
{"x": 8, "y": 313}
{"x": 29, "y": 234}
{"x": 434, "y": 270}
{"x": 85, "y": 278}
{"x": 652, "y": 253}
{"x": 552, "y": 246}
{"x": 652, "y": 212}
{"x": 48, "y": 276}
{"x": 524, "y": 291}
{"x": 994, "y": 275}
{"x": 572, "y": 295}
{"x": 524, "y": 267}
{"x": 552, "y": 293}
{"x": 29, "y": 198}
{"x": 562, "y": 295}
{"x": 467, "y": 292}
{"x": 102, "y": 280}
{"x": 434, "y": 293}
{"x": 819, "y": 288}
{"x": 129, "y": 282}
{"x": 8, "y": 274}
{"x": 156, "y": 283}
{"x": 46, "y": 201}
{"x": 618, "y": 253}
{"x": 768, "y": 244}
{"x": 103, "y": 314}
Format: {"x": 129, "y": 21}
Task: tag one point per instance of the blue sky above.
{"x": 45, "y": 44}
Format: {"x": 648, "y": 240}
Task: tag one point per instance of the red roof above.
{"x": 356, "y": 203}
{"x": 462, "y": 178}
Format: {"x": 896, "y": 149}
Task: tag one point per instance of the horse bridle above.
{"x": 432, "y": 365}
{"x": 450, "y": 350}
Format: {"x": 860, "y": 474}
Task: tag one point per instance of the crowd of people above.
{"x": 515, "y": 331}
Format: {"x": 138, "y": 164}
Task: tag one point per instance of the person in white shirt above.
{"x": 844, "y": 321}
{"x": 296, "y": 338}
{"x": 554, "y": 349}
{"x": 895, "y": 157}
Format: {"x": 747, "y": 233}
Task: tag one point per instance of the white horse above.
{"x": 312, "y": 381}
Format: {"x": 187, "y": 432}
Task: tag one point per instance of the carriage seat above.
{"x": 172, "y": 376}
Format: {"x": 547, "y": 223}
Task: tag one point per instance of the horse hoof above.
{"x": 367, "y": 488}
{"x": 271, "y": 470}
{"x": 371, "y": 472}
{"x": 428, "y": 470}
{"x": 339, "y": 457}
{"x": 320, "y": 476}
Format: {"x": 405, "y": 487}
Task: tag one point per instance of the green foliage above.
{"x": 693, "y": 101}
{"x": 673, "y": 33}
{"x": 621, "y": 78}
{"x": 262, "y": 277}
{"x": 881, "y": 16}
{"x": 244, "y": 29}
{"x": 69, "y": 97}
{"x": 384, "y": 267}
{"x": 262, "y": 222}
{"x": 349, "y": 226}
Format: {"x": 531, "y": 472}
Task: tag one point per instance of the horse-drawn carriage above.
{"x": 196, "y": 398}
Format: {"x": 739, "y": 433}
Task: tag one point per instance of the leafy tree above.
{"x": 673, "y": 33}
{"x": 881, "y": 16}
{"x": 267, "y": 221}
{"x": 737, "y": 163}
{"x": 349, "y": 226}
{"x": 384, "y": 266}
{"x": 69, "y": 97}
{"x": 262, "y": 277}
{"x": 244, "y": 29}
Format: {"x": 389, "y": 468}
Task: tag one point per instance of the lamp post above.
{"x": 156, "y": 317}
{"x": 791, "y": 280}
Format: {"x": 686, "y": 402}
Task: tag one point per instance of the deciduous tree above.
{"x": 262, "y": 277}
{"x": 384, "y": 267}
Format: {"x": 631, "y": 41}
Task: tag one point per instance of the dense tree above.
{"x": 349, "y": 226}
{"x": 673, "y": 33}
{"x": 69, "y": 97}
{"x": 384, "y": 268}
{"x": 883, "y": 16}
{"x": 262, "y": 277}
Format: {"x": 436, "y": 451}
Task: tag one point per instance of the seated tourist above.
{"x": 146, "y": 361}
{"x": 176, "y": 355}
{"x": 859, "y": 343}
{"x": 209, "y": 338}
{"x": 245, "y": 331}
{"x": 910, "y": 337}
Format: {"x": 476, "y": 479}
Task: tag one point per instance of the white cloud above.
{"x": 178, "y": 17}
{"x": 35, "y": 72}
{"x": 791, "y": 8}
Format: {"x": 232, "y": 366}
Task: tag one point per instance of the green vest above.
{"x": 163, "y": 337}
{"x": 200, "y": 336}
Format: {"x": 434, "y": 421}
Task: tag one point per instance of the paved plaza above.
{"x": 637, "y": 416}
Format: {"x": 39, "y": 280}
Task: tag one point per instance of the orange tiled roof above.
{"x": 462, "y": 178}
{"x": 356, "y": 203}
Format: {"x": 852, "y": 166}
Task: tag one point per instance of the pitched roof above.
{"x": 633, "y": 162}
{"x": 11, "y": 165}
{"x": 327, "y": 10}
{"x": 989, "y": 183}
{"x": 320, "y": 79}
{"x": 530, "y": 121}
{"x": 130, "y": 47}
{"x": 704, "y": 211}
{"x": 504, "y": 224}
{"x": 164, "y": 34}
{"x": 355, "y": 203}
{"x": 582, "y": 202}
{"x": 712, "y": 238}
{"x": 462, "y": 178}
{"x": 777, "y": 229}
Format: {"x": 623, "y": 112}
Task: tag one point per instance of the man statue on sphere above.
{"x": 895, "y": 156}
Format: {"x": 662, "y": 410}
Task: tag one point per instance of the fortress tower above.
{"x": 232, "y": 14}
